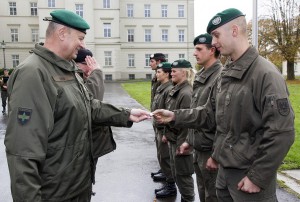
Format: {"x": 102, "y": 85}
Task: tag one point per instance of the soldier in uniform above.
{"x": 103, "y": 141}
{"x": 49, "y": 131}
{"x": 251, "y": 111}
{"x": 202, "y": 140}
{"x": 181, "y": 165}
{"x": 155, "y": 60}
{"x": 3, "y": 84}
{"x": 163, "y": 75}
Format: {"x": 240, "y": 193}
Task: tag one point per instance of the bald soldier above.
{"x": 51, "y": 113}
{"x": 251, "y": 111}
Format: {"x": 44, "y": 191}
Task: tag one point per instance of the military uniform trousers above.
{"x": 182, "y": 170}
{"x": 226, "y": 185}
{"x": 163, "y": 157}
{"x": 4, "y": 96}
{"x": 206, "y": 179}
{"x": 85, "y": 196}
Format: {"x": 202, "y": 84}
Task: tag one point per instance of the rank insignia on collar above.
{"x": 24, "y": 115}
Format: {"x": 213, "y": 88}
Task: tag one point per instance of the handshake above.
{"x": 161, "y": 116}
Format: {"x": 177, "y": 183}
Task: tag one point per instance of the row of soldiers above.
{"x": 225, "y": 124}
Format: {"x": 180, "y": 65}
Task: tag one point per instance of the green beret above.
{"x": 222, "y": 18}
{"x": 203, "y": 39}
{"x": 69, "y": 19}
{"x": 181, "y": 64}
{"x": 164, "y": 65}
{"x": 158, "y": 56}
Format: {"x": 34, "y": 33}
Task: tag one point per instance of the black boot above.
{"x": 168, "y": 191}
{"x": 159, "y": 177}
{"x": 159, "y": 189}
{"x": 155, "y": 173}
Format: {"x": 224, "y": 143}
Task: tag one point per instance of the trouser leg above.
{"x": 183, "y": 170}
{"x": 164, "y": 159}
{"x": 206, "y": 179}
{"x": 227, "y": 191}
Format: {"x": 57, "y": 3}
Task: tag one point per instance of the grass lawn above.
{"x": 140, "y": 91}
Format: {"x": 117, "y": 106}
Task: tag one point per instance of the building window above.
{"x": 130, "y": 60}
{"x": 149, "y": 76}
{"x": 181, "y": 35}
{"x": 15, "y": 60}
{"x": 33, "y": 9}
{"x": 147, "y": 10}
{"x": 14, "y": 35}
{"x": 107, "y": 58}
{"x": 35, "y": 35}
{"x": 164, "y": 35}
{"x": 107, "y": 30}
{"x": 181, "y": 56}
{"x": 180, "y": 11}
{"x": 147, "y": 35}
{"x": 167, "y": 57}
{"x": 79, "y": 9}
{"x": 130, "y": 10}
{"x": 51, "y": 3}
{"x": 108, "y": 77}
{"x": 12, "y": 8}
{"x": 147, "y": 60}
{"x": 130, "y": 35}
{"x": 164, "y": 11}
{"x": 131, "y": 76}
{"x": 106, "y": 3}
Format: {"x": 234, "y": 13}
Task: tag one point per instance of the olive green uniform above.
{"x": 48, "y": 139}
{"x": 250, "y": 109}
{"x": 154, "y": 85}
{"x": 160, "y": 97}
{"x": 202, "y": 139}
{"x": 181, "y": 165}
{"x": 103, "y": 141}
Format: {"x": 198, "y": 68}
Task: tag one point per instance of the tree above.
{"x": 284, "y": 36}
{"x": 265, "y": 47}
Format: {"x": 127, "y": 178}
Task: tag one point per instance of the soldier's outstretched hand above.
{"x": 137, "y": 115}
{"x": 163, "y": 116}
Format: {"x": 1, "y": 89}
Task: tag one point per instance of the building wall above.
{"x": 96, "y": 15}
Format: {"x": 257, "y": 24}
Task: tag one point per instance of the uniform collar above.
{"x": 164, "y": 86}
{"x": 54, "y": 59}
{"x": 237, "y": 68}
{"x": 178, "y": 87}
{"x": 203, "y": 74}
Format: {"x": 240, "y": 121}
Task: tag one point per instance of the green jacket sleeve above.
{"x": 30, "y": 120}
{"x": 109, "y": 115}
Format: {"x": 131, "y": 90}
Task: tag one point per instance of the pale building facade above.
{"x": 123, "y": 34}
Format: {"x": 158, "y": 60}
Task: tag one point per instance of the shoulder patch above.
{"x": 24, "y": 115}
{"x": 283, "y": 106}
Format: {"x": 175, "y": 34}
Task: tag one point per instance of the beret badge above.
{"x": 202, "y": 39}
{"x": 175, "y": 63}
{"x": 217, "y": 20}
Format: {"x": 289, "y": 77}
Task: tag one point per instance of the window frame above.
{"x": 107, "y": 30}
{"x": 181, "y": 11}
{"x": 147, "y": 11}
{"x": 108, "y": 58}
{"x": 148, "y": 36}
{"x": 12, "y": 8}
{"x": 33, "y": 9}
{"x": 79, "y": 9}
{"x": 130, "y": 10}
{"x": 14, "y": 32}
{"x": 164, "y": 11}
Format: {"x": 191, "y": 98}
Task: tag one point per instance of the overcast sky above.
{"x": 205, "y": 10}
